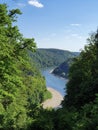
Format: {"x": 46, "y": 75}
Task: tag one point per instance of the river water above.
{"x": 55, "y": 82}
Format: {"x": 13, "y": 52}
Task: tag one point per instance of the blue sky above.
{"x": 63, "y": 24}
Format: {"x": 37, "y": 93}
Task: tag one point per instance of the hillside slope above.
{"x": 50, "y": 57}
{"x": 63, "y": 69}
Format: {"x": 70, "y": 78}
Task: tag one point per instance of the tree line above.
{"x": 21, "y": 84}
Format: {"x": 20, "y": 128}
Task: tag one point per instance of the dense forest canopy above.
{"x": 51, "y": 57}
{"x": 83, "y": 82}
{"x": 21, "y": 85}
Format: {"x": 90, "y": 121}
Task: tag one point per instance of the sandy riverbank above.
{"x": 55, "y": 101}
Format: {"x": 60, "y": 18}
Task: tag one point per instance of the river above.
{"x": 55, "y": 82}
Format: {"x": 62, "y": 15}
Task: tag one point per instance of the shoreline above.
{"x": 51, "y": 72}
{"x": 55, "y": 101}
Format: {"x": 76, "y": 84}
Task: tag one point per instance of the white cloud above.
{"x": 36, "y": 3}
{"x": 75, "y": 24}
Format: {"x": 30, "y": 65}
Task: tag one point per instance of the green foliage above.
{"x": 83, "y": 81}
{"x": 88, "y": 117}
{"x": 44, "y": 120}
{"x": 21, "y": 84}
{"x": 64, "y": 120}
{"x": 50, "y": 57}
{"x": 85, "y": 118}
{"x": 63, "y": 69}
{"x": 47, "y": 95}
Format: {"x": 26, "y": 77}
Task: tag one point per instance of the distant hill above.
{"x": 63, "y": 69}
{"x": 75, "y": 53}
{"x": 51, "y": 57}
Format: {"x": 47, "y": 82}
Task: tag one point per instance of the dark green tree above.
{"x": 21, "y": 84}
{"x": 83, "y": 80}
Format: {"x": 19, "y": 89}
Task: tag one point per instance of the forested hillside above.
{"x": 22, "y": 88}
{"x": 51, "y": 57}
{"x": 63, "y": 69}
